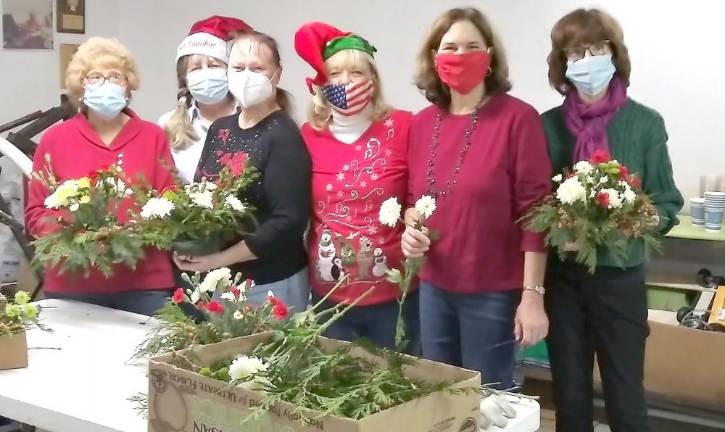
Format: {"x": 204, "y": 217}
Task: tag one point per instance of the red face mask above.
{"x": 463, "y": 72}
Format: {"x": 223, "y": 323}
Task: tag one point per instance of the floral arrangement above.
{"x": 18, "y": 314}
{"x": 390, "y": 215}
{"x": 90, "y": 233}
{"x": 597, "y": 204}
{"x": 201, "y": 217}
{"x": 228, "y": 317}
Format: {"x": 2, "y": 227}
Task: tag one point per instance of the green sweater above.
{"x": 638, "y": 139}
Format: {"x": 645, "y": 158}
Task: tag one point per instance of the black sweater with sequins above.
{"x": 281, "y": 197}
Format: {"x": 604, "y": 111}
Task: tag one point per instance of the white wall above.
{"x": 676, "y": 48}
{"x": 29, "y": 79}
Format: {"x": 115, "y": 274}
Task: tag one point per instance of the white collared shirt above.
{"x": 187, "y": 159}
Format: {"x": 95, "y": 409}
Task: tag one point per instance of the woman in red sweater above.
{"x": 358, "y": 147}
{"x": 101, "y": 77}
{"x": 483, "y": 155}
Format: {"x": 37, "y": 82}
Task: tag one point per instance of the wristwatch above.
{"x": 536, "y": 288}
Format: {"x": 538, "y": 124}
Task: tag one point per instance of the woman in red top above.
{"x": 483, "y": 155}
{"x": 101, "y": 76}
{"x": 358, "y": 147}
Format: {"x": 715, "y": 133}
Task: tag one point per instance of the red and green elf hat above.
{"x": 316, "y": 42}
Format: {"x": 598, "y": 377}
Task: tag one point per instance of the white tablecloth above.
{"x": 84, "y": 386}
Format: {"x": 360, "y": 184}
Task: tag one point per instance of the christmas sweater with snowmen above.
{"x": 349, "y": 183}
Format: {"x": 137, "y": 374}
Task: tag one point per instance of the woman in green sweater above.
{"x": 605, "y": 312}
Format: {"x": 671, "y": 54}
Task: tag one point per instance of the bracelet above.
{"x": 536, "y": 288}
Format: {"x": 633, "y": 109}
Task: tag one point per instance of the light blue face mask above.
{"x": 208, "y": 85}
{"x": 591, "y": 75}
{"x": 106, "y": 100}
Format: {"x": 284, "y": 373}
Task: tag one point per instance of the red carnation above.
{"x": 178, "y": 296}
{"x": 635, "y": 182}
{"x": 623, "y": 172}
{"x": 279, "y": 309}
{"x": 215, "y": 307}
{"x": 601, "y": 156}
{"x": 603, "y": 199}
{"x": 237, "y": 163}
{"x": 234, "y": 290}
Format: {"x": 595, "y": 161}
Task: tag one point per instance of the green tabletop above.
{"x": 686, "y": 230}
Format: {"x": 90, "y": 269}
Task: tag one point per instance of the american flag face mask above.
{"x": 349, "y": 99}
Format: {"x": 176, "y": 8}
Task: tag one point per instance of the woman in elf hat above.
{"x": 203, "y": 95}
{"x": 358, "y": 147}
{"x": 263, "y": 131}
{"x": 483, "y": 154}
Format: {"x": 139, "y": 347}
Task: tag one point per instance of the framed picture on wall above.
{"x": 27, "y": 24}
{"x": 65, "y": 53}
{"x": 71, "y": 16}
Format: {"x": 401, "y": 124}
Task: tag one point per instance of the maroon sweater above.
{"x": 506, "y": 171}
{"x": 76, "y": 150}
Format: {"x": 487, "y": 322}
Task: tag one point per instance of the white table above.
{"x": 82, "y": 387}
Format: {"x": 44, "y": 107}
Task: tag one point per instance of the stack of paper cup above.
{"x": 697, "y": 211}
{"x": 714, "y": 207}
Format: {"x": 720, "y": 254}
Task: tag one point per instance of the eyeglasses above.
{"x": 578, "y": 52}
{"x": 97, "y": 79}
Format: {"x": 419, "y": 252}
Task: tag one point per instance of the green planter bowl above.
{"x": 199, "y": 247}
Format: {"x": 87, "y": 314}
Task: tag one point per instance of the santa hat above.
{"x": 316, "y": 42}
{"x": 209, "y": 37}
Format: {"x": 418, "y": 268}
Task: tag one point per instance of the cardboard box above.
{"x": 183, "y": 401}
{"x": 683, "y": 366}
{"x": 13, "y": 351}
{"x": 686, "y": 366}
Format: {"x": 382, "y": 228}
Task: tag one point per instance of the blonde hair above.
{"x": 96, "y": 52}
{"x": 319, "y": 113}
{"x": 179, "y": 127}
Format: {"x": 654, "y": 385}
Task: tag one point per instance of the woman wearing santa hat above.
{"x": 203, "y": 94}
{"x": 358, "y": 146}
{"x": 483, "y": 154}
{"x": 273, "y": 255}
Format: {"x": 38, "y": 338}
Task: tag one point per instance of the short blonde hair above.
{"x": 95, "y": 52}
{"x": 320, "y": 112}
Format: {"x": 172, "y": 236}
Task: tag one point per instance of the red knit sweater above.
{"x": 75, "y": 150}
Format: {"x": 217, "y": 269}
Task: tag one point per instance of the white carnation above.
{"x": 219, "y": 278}
{"x": 557, "y": 178}
{"x": 583, "y": 167}
{"x": 157, "y": 208}
{"x": 425, "y": 206}
{"x": 235, "y": 203}
{"x": 390, "y": 212}
{"x": 571, "y": 191}
{"x": 238, "y": 315}
{"x": 202, "y": 199}
{"x": 244, "y": 368}
{"x": 629, "y": 195}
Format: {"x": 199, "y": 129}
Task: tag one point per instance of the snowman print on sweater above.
{"x": 326, "y": 254}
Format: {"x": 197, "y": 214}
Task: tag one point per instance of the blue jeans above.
{"x": 474, "y": 331}
{"x": 294, "y": 291}
{"x": 376, "y": 323}
{"x": 145, "y": 302}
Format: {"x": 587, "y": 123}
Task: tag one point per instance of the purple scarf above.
{"x": 588, "y": 122}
